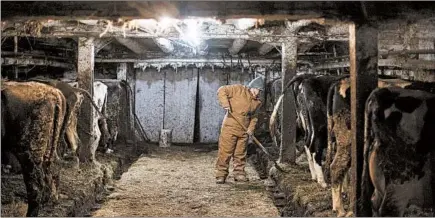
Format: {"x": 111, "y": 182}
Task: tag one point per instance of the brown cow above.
{"x": 32, "y": 118}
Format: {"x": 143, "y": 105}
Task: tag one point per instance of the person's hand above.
{"x": 250, "y": 132}
{"x": 228, "y": 109}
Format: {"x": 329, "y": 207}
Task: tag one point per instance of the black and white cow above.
{"x": 274, "y": 93}
{"x": 113, "y": 110}
{"x": 32, "y": 116}
{"x": 311, "y": 92}
{"x": 313, "y": 96}
{"x": 100, "y": 130}
{"x": 338, "y": 158}
{"x": 399, "y": 151}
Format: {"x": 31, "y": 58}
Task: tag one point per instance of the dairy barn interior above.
{"x": 111, "y": 108}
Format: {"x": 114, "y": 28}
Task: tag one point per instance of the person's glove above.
{"x": 250, "y": 132}
{"x": 228, "y": 109}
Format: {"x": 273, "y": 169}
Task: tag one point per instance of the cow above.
{"x": 100, "y": 129}
{"x": 338, "y": 158}
{"x": 399, "y": 152}
{"x": 113, "y": 109}
{"x": 275, "y": 92}
{"x": 32, "y": 116}
{"x": 74, "y": 97}
{"x": 311, "y": 95}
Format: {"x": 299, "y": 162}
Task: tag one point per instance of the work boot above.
{"x": 220, "y": 180}
{"x": 240, "y": 178}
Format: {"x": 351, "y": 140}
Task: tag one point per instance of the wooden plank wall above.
{"x": 167, "y": 99}
{"x": 210, "y": 112}
{"x": 180, "y": 102}
{"x": 239, "y": 77}
{"x": 149, "y": 101}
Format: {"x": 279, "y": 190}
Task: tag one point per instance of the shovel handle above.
{"x": 259, "y": 144}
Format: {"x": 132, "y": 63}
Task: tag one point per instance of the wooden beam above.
{"x": 164, "y": 44}
{"x": 245, "y": 62}
{"x": 408, "y": 64}
{"x": 85, "y": 79}
{"x": 277, "y": 34}
{"x": 237, "y": 45}
{"x": 265, "y": 48}
{"x": 405, "y": 52}
{"x": 288, "y": 119}
{"x": 363, "y": 53}
{"x": 403, "y": 64}
{"x": 132, "y": 44}
{"x": 21, "y": 61}
{"x": 101, "y": 43}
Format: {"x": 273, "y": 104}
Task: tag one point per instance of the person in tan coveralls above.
{"x": 243, "y": 103}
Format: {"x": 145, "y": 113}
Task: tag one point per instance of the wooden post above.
{"x": 85, "y": 77}
{"x": 15, "y": 52}
{"x": 288, "y": 119}
{"x": 363, "y": 55}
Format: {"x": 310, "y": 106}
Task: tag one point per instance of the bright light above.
{"x": 192, "y": 32}
{"x": 166, "y": 22}
{"x": 245, "y": 23}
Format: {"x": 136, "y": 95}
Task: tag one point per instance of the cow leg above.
{"x": 71, "y": 134}
{"x": 339, "y": 168}
{"x": 35, "y": 184}
{"x": 310, "y": 163}
{"x": 318, "y": 169}
{"x": 378, "y": 180}
{"x": 432, "y": 181}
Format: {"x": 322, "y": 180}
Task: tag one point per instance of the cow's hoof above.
{"x": 341, "y": 214}
{"x": 324, "y": 185}
{"x": 109, "y": 151}
{"x": 350, "y": 214}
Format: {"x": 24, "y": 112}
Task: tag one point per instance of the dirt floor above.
{"x": 179, "y": 181}
{"x": 79, "y": 188}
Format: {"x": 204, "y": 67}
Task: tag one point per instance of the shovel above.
{"x": 259, "y": 145}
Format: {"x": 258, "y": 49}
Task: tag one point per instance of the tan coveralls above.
{"x": 233, "y": 138}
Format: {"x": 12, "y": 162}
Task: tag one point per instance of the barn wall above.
{"x": 397, "y": 35}
{"x": 168, "y": 99}
{"x": 149, "y": 97}
{"x": 210, "y": 112}
{"x": 180, "y": 101}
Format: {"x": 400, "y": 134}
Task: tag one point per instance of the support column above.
{"x": 15, "y": 52}
{"x": 85, "y": 78}
{"x": 288, "y": 119}
{"x": 363, "y": 54}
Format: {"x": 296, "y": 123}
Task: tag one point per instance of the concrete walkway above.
{"x": 179, "y": 181}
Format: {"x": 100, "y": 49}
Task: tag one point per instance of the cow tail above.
{"x": 92, "y": 102}
{"x": 331, "y": 148}
{"x": 367, "y": 188}
{"x": 272, "y": 120}
{"x": 293, "y": 80}
{"x": 55, "y": 135}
